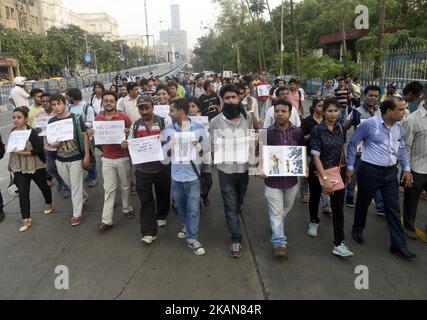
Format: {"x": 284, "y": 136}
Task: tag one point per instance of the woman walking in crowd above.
{"x": 326, "y": 142}
{"x": 27, "y": 165}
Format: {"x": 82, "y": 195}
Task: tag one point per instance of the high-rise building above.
{"x": 175, "y": 17}
{"x": 175, "y": 37}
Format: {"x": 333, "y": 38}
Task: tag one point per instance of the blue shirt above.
{"x": 327, "y": 144}
{"x": 184, "y": 172}
{"x": 382, "y": 146}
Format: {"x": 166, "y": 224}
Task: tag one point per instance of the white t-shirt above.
{"x": 269, "y": 118}
{"x": 128, "y": 106}
{"x": 20, "y": 97}
{"x": 97, "y": 105}
{"x": 301, "y": 90}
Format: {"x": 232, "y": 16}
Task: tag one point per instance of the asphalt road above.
{"x": 115, "y": 265}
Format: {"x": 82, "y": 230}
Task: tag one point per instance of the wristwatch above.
{"x": 325, "y": 177}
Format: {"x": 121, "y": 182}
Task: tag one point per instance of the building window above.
{"x": 12, "y": 13}
{"x": 7, "y": 13}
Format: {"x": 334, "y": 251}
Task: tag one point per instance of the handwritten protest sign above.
{"x": 42, "y": 122}
{"x": 109, "y": 132}
{"x": 60, "y": 131}
{"x": 146, "y": 149}
{"x": 17, "y": 140}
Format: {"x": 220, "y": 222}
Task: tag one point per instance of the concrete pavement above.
{"x": 116, "y": 265}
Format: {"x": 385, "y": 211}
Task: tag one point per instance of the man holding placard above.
{"x": 280, "y": 192}
{"x": 70, "y": 157}
{"x": 149, "y": 174}
{"x": 109, "y": 127}
{"x": 263, "y": 94}
{"x": 187, "y": 142}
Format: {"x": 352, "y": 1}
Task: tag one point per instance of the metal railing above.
{"x": 61, "y": 85}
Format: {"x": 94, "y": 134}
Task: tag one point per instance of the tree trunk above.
{"x": 239, "y": 65}
{"x": 296, "y": 40}
{"x": 344, "y": 46}
{"x": 276, "y": 37}
{"x": 380, "y": 38}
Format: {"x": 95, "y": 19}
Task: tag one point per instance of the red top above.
{"x": 115, "y": 151}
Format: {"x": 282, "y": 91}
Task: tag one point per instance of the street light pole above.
{"x": 148, "y": 37}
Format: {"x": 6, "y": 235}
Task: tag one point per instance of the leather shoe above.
{"x": 403, "y": 252}
{"x": 358, "y": 237}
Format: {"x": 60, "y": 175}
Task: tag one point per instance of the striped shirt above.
{"x": 343, "y": 97}
{"x": 416, "y": 139}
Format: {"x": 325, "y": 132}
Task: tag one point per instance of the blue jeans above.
{"x": 279, "y": 203}
{"x": 233, "y": 190}
{"x": 92, "y": 173}
{"x": 343, "y": 115}
{"x": 378, "y": 197}
{"x": 53, "y": 171}
{"x": 187, "y": 201}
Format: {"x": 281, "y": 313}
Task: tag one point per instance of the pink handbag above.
{"x": 334, "y": 176}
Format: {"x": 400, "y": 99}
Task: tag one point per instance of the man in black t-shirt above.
{"x": 210, "y": 103}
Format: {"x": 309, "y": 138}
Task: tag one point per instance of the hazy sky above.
{"x": 131, "y": 18}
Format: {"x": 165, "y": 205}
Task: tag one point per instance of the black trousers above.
{"x": 23, "y": 182}
{"x": 411, "y": 199}
{"x": 337, "y": 206}
{"x": 144, "y": 186}
{"x": 370, "y": 178}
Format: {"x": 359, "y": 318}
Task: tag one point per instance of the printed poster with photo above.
{"x": 284, "y": 161}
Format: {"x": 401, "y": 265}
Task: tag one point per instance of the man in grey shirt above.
{"x": 232, "y": 123}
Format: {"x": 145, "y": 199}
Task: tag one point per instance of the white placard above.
{"x": 42, "y": 122}
{"x": 360, "y": 145}
{"x": 227, "y": 74}
{"x": 284, "y": 161}
{"x": 184, "y": 151}
{"x": 263, "y": 90}
{"x": 204, "y": 121}
{"x": 146, "y": 149}
{"x": 162, "y": 111}
{"x": 18, "y": 140}
{"x": 232, "y": 150}
{"x": 109, "y": 132}
{"x": 60, "y": 131}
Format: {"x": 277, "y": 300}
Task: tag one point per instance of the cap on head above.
{"x": 19, "y": 81}
{"x": 144, "y": 100}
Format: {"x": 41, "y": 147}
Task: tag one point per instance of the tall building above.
{"x": 134, "y": 40}
{"x": 175, "y": 17}
{"x": 101, "y": 24}
{"x": 175, "y": 37}
{"x": 22, "y": 15}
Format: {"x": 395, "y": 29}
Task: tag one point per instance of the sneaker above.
{"x": 197, "y": 247}
{"x": 161, "y": 223}
{"x": 104, "y": 227}
{"x": 342, "y": 250}
{"x": 148, "y": 239}
{"x": 312, "y": 229}
{"x": 76, "y": 221}
{"x": 236, "y": 250}
{"x": 93, "y": 183}
{"x": 131, "y": 214}
{"x": 380, "y": 213}
{"x": 280, "y": 252}
{"x": 182, "y": 234}
{"x": 350, "y": 204}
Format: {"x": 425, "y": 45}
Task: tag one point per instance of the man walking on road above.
{"x": 416, "y": 141}
{"x": 116, "y": 165}
{"x": 383, "y": 146}
{"x": 232, "y": 123}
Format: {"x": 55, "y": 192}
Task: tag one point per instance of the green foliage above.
{"x": 42, "y": 56}
{"x": 405, "y": 19}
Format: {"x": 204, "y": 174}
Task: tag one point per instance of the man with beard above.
{"x": 233, "y": 122}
